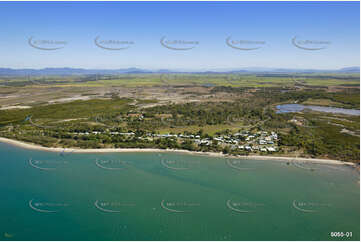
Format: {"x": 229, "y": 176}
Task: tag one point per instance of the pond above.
{"x": 291, "y": 108}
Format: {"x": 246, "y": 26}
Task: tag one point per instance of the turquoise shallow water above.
{"x": 172, "y": 196}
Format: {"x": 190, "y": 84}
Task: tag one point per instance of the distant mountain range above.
{"x": 79, "y": 71}
{"x": 66, "y": 71}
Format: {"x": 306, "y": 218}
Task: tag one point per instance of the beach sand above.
{"x": 112, "y": 150}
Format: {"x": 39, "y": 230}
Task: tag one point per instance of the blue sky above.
{"x": 208, "y": 23}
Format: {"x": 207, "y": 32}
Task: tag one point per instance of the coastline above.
{"x": 214, "y": 154}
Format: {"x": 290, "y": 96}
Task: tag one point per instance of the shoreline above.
{"x": 214, "y": 154}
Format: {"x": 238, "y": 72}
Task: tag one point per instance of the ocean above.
{"x": 172, "y": 196}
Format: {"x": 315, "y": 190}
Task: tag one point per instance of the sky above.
{"x": 180, "y": 35}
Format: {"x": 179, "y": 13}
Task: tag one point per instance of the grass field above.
{"x": 234, "y": 80}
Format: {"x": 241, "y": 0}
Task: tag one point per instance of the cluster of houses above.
{"x": 262, "y": 141}
{"x": 259, "y": 141}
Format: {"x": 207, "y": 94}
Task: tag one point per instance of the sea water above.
{"x": 172, "y": 196}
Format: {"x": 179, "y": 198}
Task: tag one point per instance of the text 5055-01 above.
{"x": 341, "y": 234}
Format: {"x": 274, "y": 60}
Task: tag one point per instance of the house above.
{"x": 205, "y": 142}
{"x": 262, "y": 142}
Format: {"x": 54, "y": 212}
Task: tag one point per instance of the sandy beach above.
{"x": 110, "y": 150}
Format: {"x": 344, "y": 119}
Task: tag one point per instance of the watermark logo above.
{"x": 309, "y": 207}
{"x": 244, "y": 44}
{"x": 112, "y": 206}
{"x": 178, "y": 164}
{"x": 179, "y": 206}
{"x": 111, "y": 164}
{"x": 237, "y": 165}
{"x": 101, "y": 121}
{"x": 46, "y": 165}
{"x": 47, "y": 207}
{"x": 30, "y": 79}
{"x": 29, "y": 118}
{"x": 178, "y": 44}
{"x": 305, "y": 165}
{"x": 43, "y": 44}
{"x": 310, "y": 44}
{"x": 164, "y": 78}
{"x": 243, "y": 205}
{"x": 113, "y": 44}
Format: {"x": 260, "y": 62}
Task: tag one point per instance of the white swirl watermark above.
{"x": 43, "y": 44}
{"x": 244, "y": 44}
{"x": 46, "y": 165}
{"x": 309, "y": 207}
{"x": 111, "y": 164}
{"x": 178, "y": 44}
{"x": 237, "y": 165}
{"x": 179, "y": 206}
{"x": 310, "y": 44}
{"x": 112, "y": 206}
{"x": 46, "y": 207}
{"x": 113, "y": 44}
{"x": 243, "y": 206}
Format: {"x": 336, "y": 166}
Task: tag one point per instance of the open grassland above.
{"x": 151, "y": 80}
{"x": 174, "y": 88}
